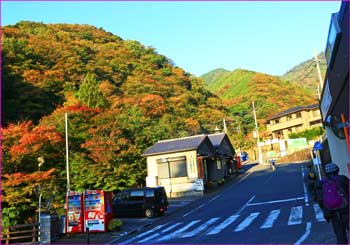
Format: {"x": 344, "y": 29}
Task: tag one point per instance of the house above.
{"x": 334, "y": 102}
{"x": 294, "y": 120}
{"x": 184, "y": 165}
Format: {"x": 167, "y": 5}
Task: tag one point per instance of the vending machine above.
{"x": 75, "y": 212}
{"x": 97, "y": 210}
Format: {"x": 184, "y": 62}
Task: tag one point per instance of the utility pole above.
{"x": 319, "y": 88}
{"x": 67, "y": 159}
{"x": 225, "y": 129}
{"x": 257, "y": 135}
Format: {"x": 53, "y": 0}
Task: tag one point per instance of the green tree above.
{"x": 89, "y": 93}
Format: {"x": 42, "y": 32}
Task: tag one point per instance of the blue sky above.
{"x": 269, "y": 37}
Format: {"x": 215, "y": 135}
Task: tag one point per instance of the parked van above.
{"x": 141, "y": 201}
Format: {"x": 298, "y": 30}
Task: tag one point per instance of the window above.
{"x": 277, "y": 121}
{"x": 298, "y": 115}
{"x": 172, "y": 167}
{"x": 149, "y": 193}
{"x": 289, "y": 117}
{"x": 315, "y": 112}
{"x": 136, "y": 195}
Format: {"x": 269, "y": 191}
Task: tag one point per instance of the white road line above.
{"x": 306, "y": 234}
{"x": 158, "y": 234}
{"x": 201, "y": 206}
{"x": 245, "y": 223}
{"x": 174, "y": 234}
{"x": 304, "y": 186}
{"x": 200, "y": 228}
{"x": 276, "y": 201}
{"x": 223, "y": 225}
{"x": 245, "y": 205}
{"x": 318, "y": 213}
{"x": 296, "y": 215}
{"x": 271, "y": 219}
{"x": 195, "y": 209}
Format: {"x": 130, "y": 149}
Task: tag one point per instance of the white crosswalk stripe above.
{"x": 271, "y": 219}
{"x": 176, "y": 233}
{"x": 161, "y": 232}
{"x": 223, "y": 225}
{"x": 214, "y": 225}
{"x": 296, "y": 215}
{"x": 245, "y": 223}
{"x": 200, "y": 228}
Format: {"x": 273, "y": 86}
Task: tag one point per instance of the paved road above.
{"x": 261, "y": 206}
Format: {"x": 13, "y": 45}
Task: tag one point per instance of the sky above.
{"x": 199, "y": 36}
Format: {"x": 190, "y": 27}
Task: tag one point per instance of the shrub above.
{"x": 115, "y": 224}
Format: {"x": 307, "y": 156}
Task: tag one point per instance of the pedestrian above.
{"x": 311, "y": 181}
{"x": 332, "y": 194}
{"x": 273, "y": 164}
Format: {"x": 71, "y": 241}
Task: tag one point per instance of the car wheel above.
{"x": 149, "y": 213}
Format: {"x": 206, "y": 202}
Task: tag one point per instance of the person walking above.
{"x": 332, "y": 195}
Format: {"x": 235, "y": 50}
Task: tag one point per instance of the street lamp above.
{"x": 41, "y": 161}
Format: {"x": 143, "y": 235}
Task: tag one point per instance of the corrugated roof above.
{"x": 293, "y": 110}
{"x": 175, "y": 145}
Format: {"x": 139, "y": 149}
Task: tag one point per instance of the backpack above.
{"x": 334, "y": 197}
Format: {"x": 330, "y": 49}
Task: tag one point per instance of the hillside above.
{"x": 271, "y": 95}
{"x": 120, "y": 97}
{"x": 214, "y": 75}
{"x": 306, "y": 73}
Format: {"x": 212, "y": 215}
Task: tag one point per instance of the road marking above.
{"x": 296, "y": 215}
{"x": 223, "y": 225}
{"x": 138, "y": 236}
{"x": 304, "y": 186}
{"x": 306, "y": 234}
{"x": 245, "y": 223}
{"x": 319, "y": 213}
{"x": 158, "y": 234}
{"x": 200, "y": 228}
{"x": 276, "y": 201}
{"x": 271, "y": 219}
{"x": 245, "y": 205}
{"x": 174, "y": 234}
{"x": 194, "y": 210}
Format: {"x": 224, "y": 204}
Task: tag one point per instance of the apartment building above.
{"x": 294, "y": 120}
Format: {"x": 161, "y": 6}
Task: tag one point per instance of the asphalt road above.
{"x": 259, "y": 207}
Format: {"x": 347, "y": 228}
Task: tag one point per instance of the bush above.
{"x": 115, "y": 225}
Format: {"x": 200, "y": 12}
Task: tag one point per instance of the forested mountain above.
{"x": 306, "y": 73}
{"x": 214, "y": 75}
{"x": 270, "y": 93}
{"x": 121, "y": 97}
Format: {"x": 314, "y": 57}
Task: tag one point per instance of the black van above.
{"x": 148, "y": 201}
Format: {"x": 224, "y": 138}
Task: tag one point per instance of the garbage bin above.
{"x": 49, "y": 228}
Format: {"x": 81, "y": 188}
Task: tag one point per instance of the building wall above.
{"x": 338, "y": 150}
{"x": 175, "y": 186}
{"x": 295, "y": 122}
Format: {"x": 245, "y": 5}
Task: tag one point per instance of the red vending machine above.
{"x": 75, "y": 212}
{"x": 97, "y": 210}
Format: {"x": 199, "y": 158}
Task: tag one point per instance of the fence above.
{"x": 21, "y": 234}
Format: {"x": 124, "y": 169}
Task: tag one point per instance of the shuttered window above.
{"x": 173, "y": 167}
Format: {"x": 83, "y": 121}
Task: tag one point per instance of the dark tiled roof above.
{"x": 216, "y": 139}
{"x": 175, "y": 145}
{"x": 293, "y": 110}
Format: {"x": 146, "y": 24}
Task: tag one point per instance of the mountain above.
{"x": 119, "y": 98}
{"x": 212, "y": 76}
{"x": 271, "y": 95}
{"x": 306, "y": 73}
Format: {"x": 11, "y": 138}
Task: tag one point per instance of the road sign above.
{"x": 318, "y": 146}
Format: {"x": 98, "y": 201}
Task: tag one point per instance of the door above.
{"x": 136, "y": 201}
{"x": 120, "y": 204}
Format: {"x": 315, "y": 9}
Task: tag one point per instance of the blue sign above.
{"x": 318, "y": 146}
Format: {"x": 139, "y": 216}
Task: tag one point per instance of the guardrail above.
{"x": 21, "y": 233}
